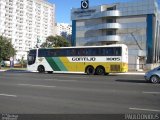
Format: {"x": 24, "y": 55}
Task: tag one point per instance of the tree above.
{"x": 6, "y": 49}
{"x": 55, "y": 41}
{"x": 66, "y": 36}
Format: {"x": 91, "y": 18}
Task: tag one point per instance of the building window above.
{"x": 110, "y": 20}
{"x": 111, "y": 8}
{"x": 111, "y": 32}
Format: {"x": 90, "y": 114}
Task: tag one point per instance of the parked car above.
{"x": 153, "y": 75}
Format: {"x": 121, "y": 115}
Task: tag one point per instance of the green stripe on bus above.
{"x": 52, "y": 63}
{"x": 59, "y": 64}
{"x": 56, "y": 64}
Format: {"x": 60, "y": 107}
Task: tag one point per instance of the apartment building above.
{"x": 63, "y": 28}
{"x": 26, "y": 22}
{"x": 135, "y": 23}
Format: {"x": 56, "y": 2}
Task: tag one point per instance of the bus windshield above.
{"x": 31, "y": 57}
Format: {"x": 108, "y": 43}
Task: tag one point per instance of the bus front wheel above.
{"x": 90, "y": 70}
{"x": 41, "y": 69}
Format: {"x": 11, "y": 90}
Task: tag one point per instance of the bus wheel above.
{"x": 41, "y": 69}
{"x": 106, "y": 73}
{"x": 90, "y": 70}
{"x": 100, "y": 70}
{"x": 50, "y": 72}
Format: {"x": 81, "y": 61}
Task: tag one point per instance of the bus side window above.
{"x": 89, "y": 51}
{"x": 117, "y": 51}
{"x": 73, "y": 52}
{"x": 55, "y": 53}
{"x": 99, "y": 52}
{"x": 80, "y": 52}
{"x": 103, "y": 51}
{"x": 111, "y": 51}
{"x": 41, "y": 53}
{"x": 67, "y": 52}
{"x": 77, "y": 52}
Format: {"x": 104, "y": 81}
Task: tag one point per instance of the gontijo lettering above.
{"x": 83, "y": 59}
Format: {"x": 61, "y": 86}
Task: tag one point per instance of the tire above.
{"x": 106, "y": 73}
{"x": 154, "y": 79}
{"x": 100, "y": 70}
{"x": 41, "y": 69}
{"x": 90, "y": 70}
{"x": 50, "y": 72}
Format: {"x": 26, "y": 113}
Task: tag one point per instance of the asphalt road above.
{"x": 33, "y": 93}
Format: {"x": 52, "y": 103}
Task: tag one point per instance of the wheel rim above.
{"x": 41, "y": 69}
{"x": 154, "y": 79}
{"x": 90, "y": 71}
{"x": 99, "y": 71}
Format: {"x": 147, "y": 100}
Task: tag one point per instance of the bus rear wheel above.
{"x": 90, "y": 70}
{"x": 41, "y": 69}
{"x": 100, "y": 70}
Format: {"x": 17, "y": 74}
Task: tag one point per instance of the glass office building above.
{"x": 135, "y": 23}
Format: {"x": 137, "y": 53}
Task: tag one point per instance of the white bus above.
{"x": 87, "y": 59}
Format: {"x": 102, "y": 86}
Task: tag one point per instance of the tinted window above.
{"x": 158, "y": 69}
{"x": 31, "y": 59}
{"x": 32, "y": 52}
{"x": 42, "y": 53}
{"x": 109, "y": 51}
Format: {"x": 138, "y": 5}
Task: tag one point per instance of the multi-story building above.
{"x": 135, "y": 23}
{"x": 26, "y": 22}
{"x": 65, "y": 30}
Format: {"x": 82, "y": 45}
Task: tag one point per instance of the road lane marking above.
{"x": 151, "y": 92}
{"x": 30, "y": 85}
{"x": 67, "y": 80}
{"x": 7, "y": 95}
{"x": 141, "y": 109}
{"x": 51, "y": 79}
{"x": 66, "y": 76}
{"x": 128, "y": 73}
{"x": 59, "y": 80}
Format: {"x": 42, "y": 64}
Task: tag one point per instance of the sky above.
{"x": 63, "y": 7}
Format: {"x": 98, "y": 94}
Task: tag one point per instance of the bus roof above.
{"x": 112, "y": 45}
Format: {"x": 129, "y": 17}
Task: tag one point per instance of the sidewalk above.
{"x": 12, "y": 69}
{"x": 2, "y": 70}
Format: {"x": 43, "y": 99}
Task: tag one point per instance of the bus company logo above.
{"x": 113, "y": 59}
{"x": 83, "y": 59}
